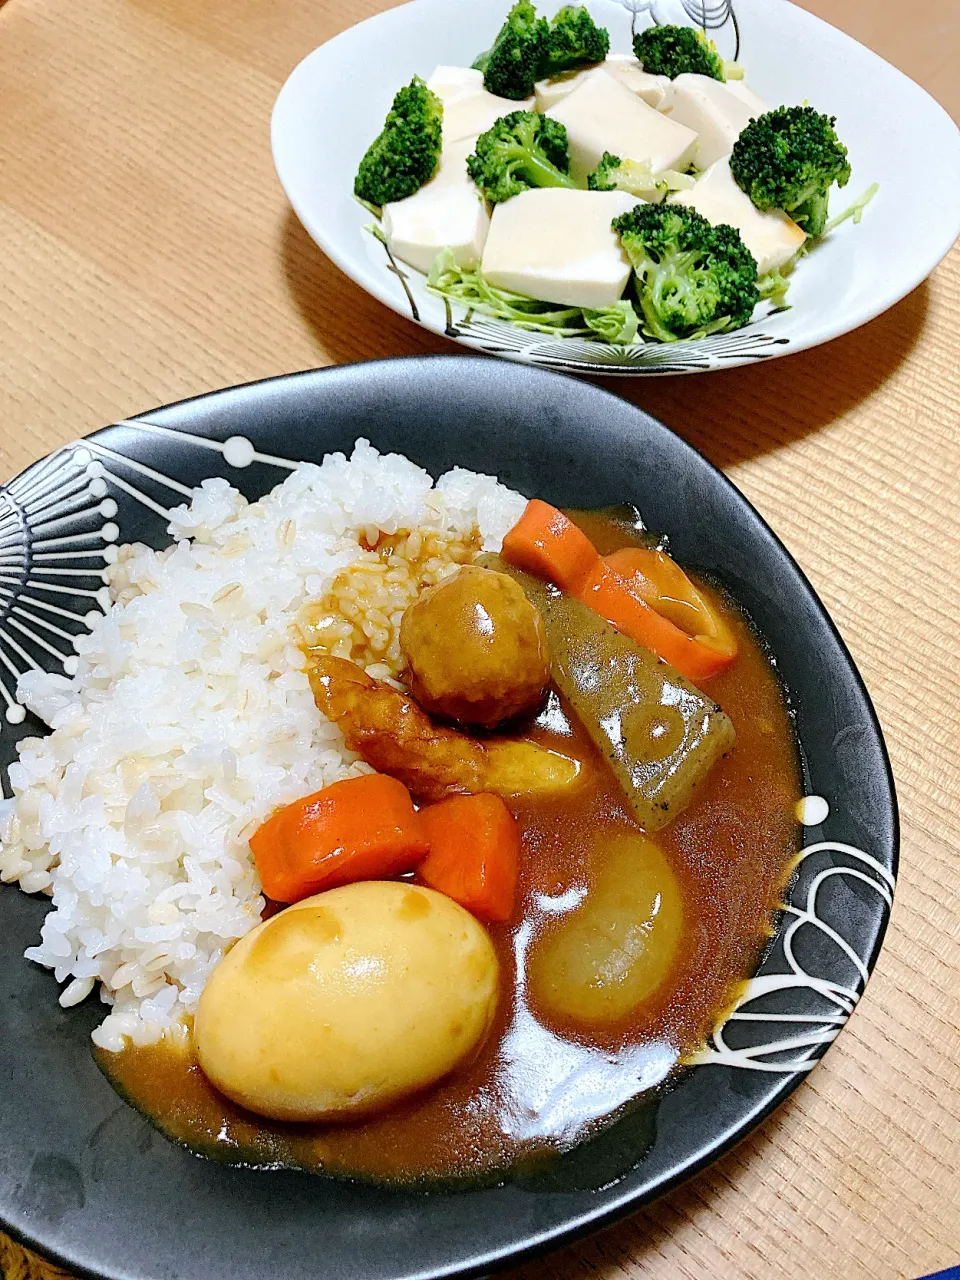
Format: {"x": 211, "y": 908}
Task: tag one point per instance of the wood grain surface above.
{"x": 147, "y": 253}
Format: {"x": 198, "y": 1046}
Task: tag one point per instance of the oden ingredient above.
{"x": 611, "y": 954}
{"x": 346, "y": 1002}
{"x": 474, "y": 854}
{"x": 476, "y": 649}
{"x": 635, "y": 591}
{"x": 358, "y": 829}
{"x": 396, "y": 736}
{"x": 661, "y": 735}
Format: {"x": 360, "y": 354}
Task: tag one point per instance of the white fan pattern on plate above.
{"x": 56, "y": 538}
{"x": 831, "y": 1000}
{"x": 54, "y": 520}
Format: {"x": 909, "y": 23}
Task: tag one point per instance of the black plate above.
{"x": 84, "y": 1178}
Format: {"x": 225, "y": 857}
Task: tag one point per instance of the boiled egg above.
{"x": 346, "y": 1002}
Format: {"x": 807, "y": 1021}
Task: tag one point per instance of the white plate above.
{"x": 334, "y": 103}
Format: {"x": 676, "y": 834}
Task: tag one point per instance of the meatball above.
{"x": 476, "y": 648}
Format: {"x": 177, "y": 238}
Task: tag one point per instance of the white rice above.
{"x": 190, "y": 720}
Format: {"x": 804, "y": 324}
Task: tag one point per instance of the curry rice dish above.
{"x": 406, "y": 829}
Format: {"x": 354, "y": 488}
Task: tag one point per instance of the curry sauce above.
{"x": 538, "y": 1084}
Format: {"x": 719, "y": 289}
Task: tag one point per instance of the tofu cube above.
{"x": 740, "y": 89}
{"x": 709, "y": 108}
{"x": 471, "y": 114}
{"x": 603, "y": 115}
{"x": 452, "y": 169}
{"x": 773, "y": 238}
{"x": 627, "y": 69}
{"x": 549, "y": 92}
{"x": 468, "y": 110}
{"x": 621, "y": 66}
{"x": 558, "y": 245}
{"x": 452, "y": 216}
{"x": 455, "y": 82}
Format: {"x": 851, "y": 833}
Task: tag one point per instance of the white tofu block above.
{"x": 455, "y": 82}
{"x": 437, "y": 217}
{"x": 452, "y": 169}
{"x": 709, "y": 108}
{"x": 558, "y": 245}
{"x": 549, "y": 92}
{"x": 772, "y": 237}
{"x": 470, "y": 114}
{"x": 623, "y": 67}
{"x": 627, "y": 69}
{"x": 602, "y": 115}
{"x": 740, "y": 89}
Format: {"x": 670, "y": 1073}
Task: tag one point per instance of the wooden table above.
{"x": 147, "y": 253}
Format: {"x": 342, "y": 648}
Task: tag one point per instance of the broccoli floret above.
{"x": 691, "y": 278}
{"x": 789, "y": 159}
{"x": 406, "y": 153}
{"x": 574, "y": 40}
{"x": 523, "y": 149}
{"x": 614, "y": 174}
{"x": 515, "y": 62}
{"x": 670, "y": 50}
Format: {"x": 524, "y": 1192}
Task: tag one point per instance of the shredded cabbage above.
{"x": 616, "y": 324}
{"x": 855, "y": 210}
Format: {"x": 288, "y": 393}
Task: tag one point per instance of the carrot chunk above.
{"x": 610, "y": 595}
{"x": 644, "y": 594}
{"x": 474, "y": 854}
{"x": 662, "y": 583}
{"x": 359, "y": 829}
{"x": 549, "y": 545}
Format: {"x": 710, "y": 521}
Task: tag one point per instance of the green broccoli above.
{"x": 789, "y": 159}
{"x": 670, "y": 50}
{"x": 573, "y": 41}
{"x": 514, "y": 63}
{"x": 691, "y": 279}
{"x": 614, "y": 174}
{"x": 405, "y": 154}
{"x": 523, "y": 149}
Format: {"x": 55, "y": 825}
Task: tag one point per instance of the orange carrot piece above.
{"x": 639, "y": 592}
{"x": 359, "y": 829}
{"x": 549, "y": 545}
{"x": 474, "y": 854}
{"x": 665, "y": 587}
{"x": 610, "y": 595}
{"x": 634, "y": 563}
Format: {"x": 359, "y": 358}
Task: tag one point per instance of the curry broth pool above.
{"x": 539, "y": 1083}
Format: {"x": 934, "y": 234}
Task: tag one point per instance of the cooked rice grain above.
{"x": 190, "y": 718}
